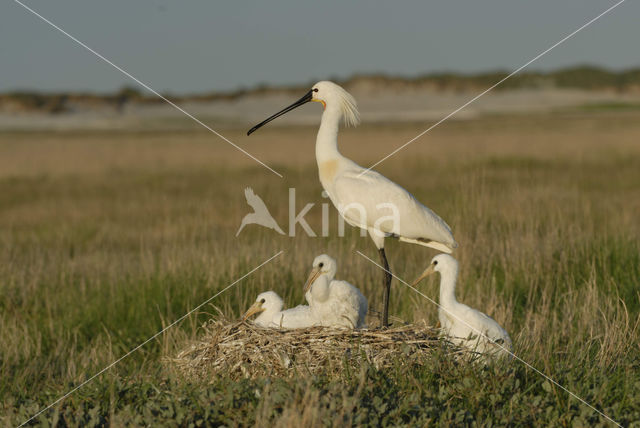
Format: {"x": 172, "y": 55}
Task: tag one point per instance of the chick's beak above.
{"x": 313, "y": 275}
{"x": 254, "y": 309}
{"x": 431, "y": 269}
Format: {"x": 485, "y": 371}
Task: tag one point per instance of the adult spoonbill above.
{"x": 334, "y": 303}
{"x": 365, "y": 198}
{"x": 269, "y": 305}
{"x": 464, "y": 325}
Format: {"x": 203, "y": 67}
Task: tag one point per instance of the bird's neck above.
{"x": 448, "y": 289}
{"x": 267, "y": 315}
{"x": 327, "y": 155}
{"x": 320, "y": 289}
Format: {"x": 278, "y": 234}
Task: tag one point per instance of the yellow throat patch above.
{"x": 328, "y": 170}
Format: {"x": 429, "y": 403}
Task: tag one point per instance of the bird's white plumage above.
{"x": 464, "y": 325}
{"x": 365, "y": 198}
{"x": 414, "y": 219}
{"x": 271, "y": 315}
{"x": 357, "y": 192}
{"x": 334, "y": 303}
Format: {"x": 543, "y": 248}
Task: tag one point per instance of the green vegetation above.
{"x": 98, "y": 255}
{"x": 609, "y": 107}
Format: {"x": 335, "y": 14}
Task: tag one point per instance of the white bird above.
{"x": 464, "y": 325}
{"x": 365, "y": 198}
{"x": 334, "y": 303}
{"x": 269, "y": 305}
{"x": 261, "y": 214}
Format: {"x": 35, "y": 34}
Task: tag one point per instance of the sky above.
{"x": 191, "y": 46}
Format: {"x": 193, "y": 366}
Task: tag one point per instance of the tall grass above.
{"x": 95, "y": 261}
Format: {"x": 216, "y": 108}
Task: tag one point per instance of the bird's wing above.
{"x": 248, "y": 193}
{"x": 254, "y": 200}
{"x": 356, "y": 300}
{"x": 380, "y": 197}
{"x": 347, "y": 303}
{"x": 298, "y": 317}
{"x": 487, "y": 325}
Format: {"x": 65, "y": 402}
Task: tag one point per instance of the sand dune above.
{"x": 376, "y": 105}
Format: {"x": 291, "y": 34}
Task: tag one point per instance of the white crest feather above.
{"x": 349, "y": 109}
{"x": 344, "y": 101}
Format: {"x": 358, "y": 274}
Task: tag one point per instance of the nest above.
{"x": 242, "y": 350}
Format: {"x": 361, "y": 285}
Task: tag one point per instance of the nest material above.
{"x": 243, "y": 350}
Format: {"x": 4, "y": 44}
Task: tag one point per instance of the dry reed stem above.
{"x": 239, "y": 349}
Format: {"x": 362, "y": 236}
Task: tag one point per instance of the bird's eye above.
{"x": 262, "y": 301}
{"x": 315, "y": 89}
{"x": 435, "y": 262}
{"x": 321, "y": 264}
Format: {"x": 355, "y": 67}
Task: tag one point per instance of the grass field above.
{"x": 107, "y": 237}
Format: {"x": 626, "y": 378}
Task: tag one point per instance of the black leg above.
{"x": 387, "y": 288}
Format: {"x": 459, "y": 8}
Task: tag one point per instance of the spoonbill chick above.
{"x": 269, "y": 305}
{"x": 334, "y": 303}
{"x": 365, "y": 198}
{"x": 465, "y": 326}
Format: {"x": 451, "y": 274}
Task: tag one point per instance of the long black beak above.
{"x": 307, "y": 97}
